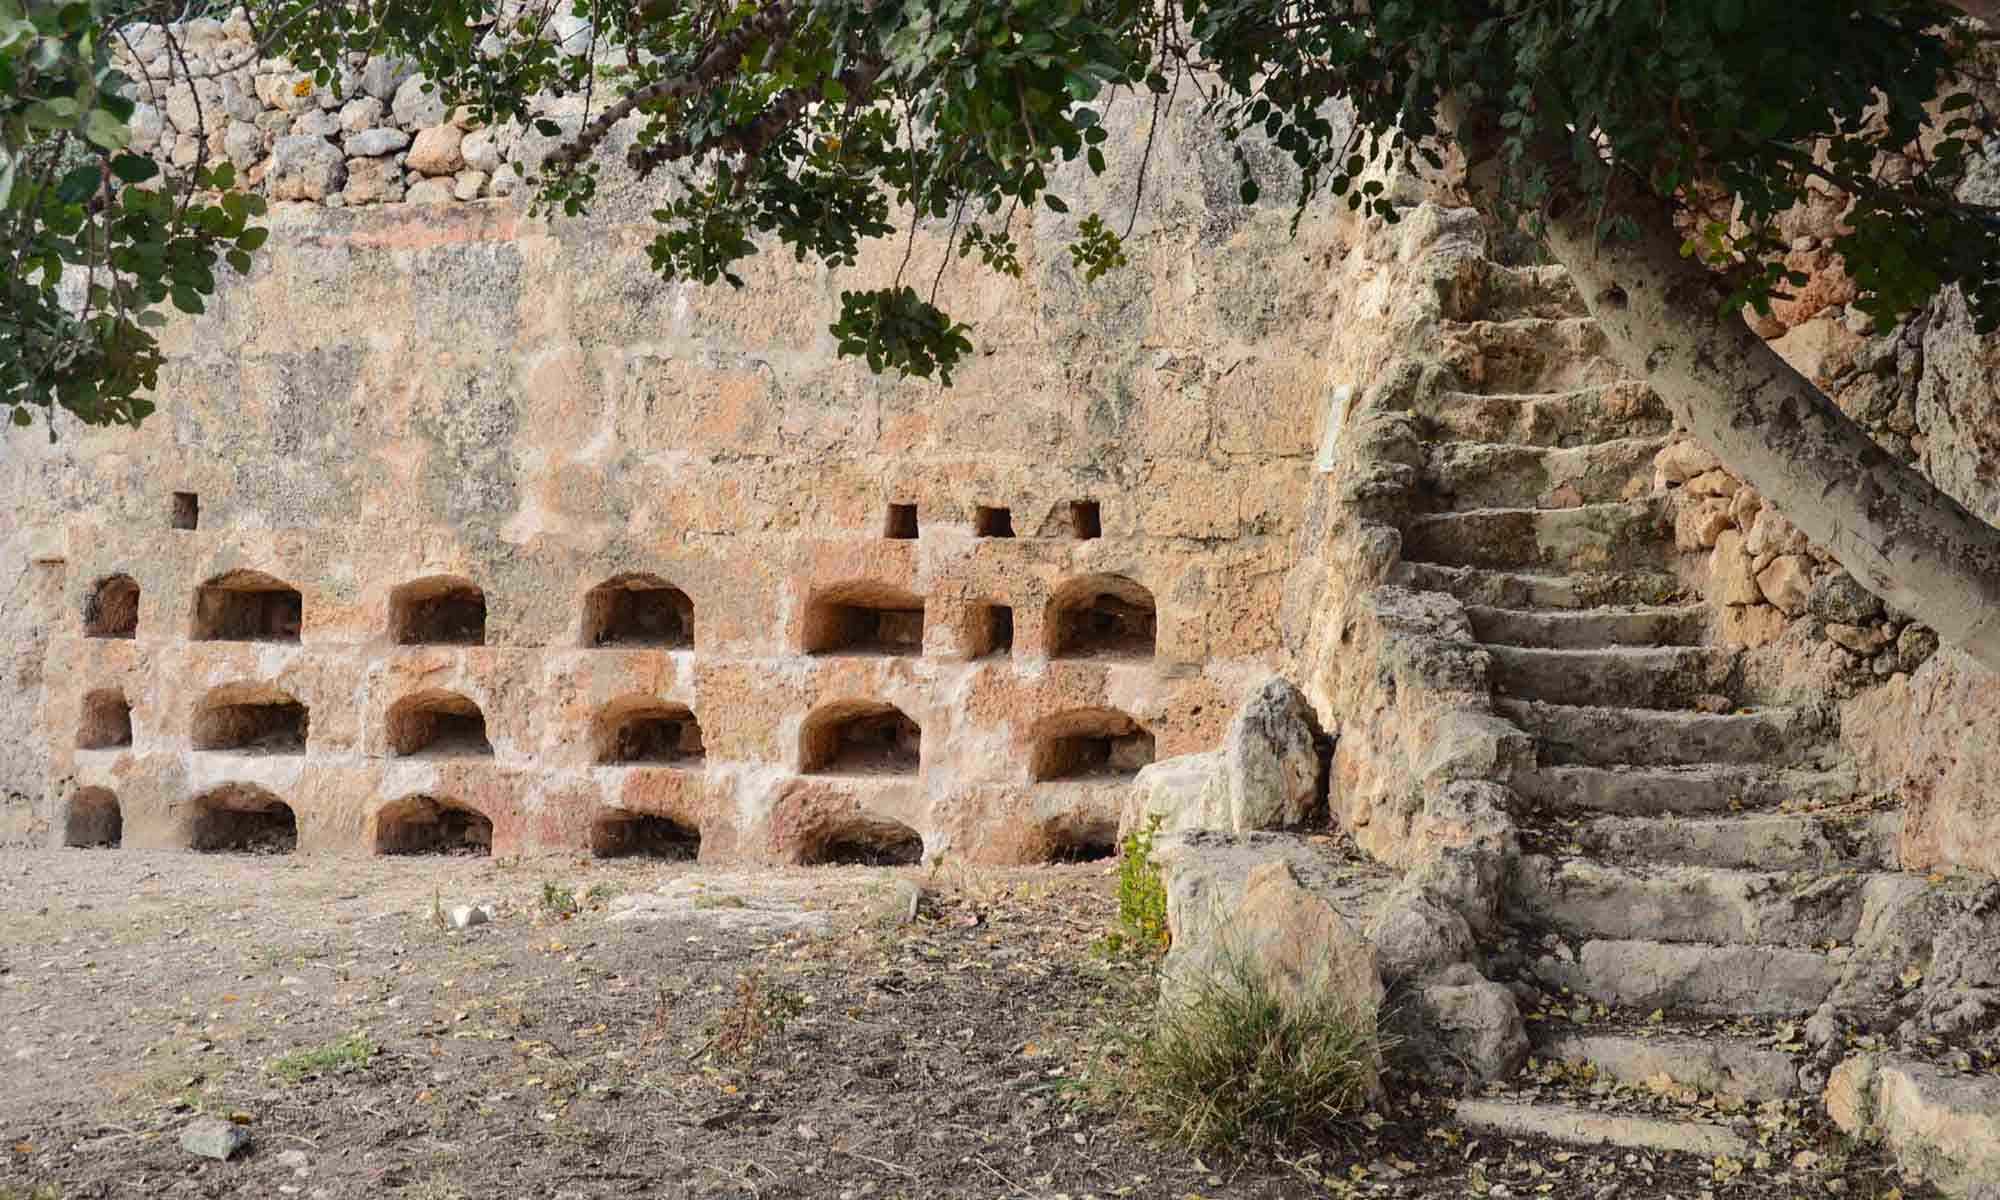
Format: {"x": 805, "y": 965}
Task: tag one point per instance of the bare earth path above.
{"x": 686, "y": 1034}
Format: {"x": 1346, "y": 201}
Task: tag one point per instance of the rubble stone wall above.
{"x": 405, "y": 396}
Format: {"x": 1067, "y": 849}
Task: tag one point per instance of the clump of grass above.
{"x": 760, "y": 1011}
{"x": 355, "y": 1050}
{"x": 557, "y": 900}
{"x": 1142, "y": 897}
{"x": 1232, "y": 1061}
{"x": 601, "y": 893}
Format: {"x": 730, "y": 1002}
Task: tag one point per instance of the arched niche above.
{"x": 641, "y": 730}
{"x": 437, "y": 723}
{"x": 94, "y": 819}
{"x": 247, "y": 606}
{"x": 243, "y": 818}
{"x": 860, "y": 737}
{"x": 432, "y": 825}
{"x": 438, "y": 610}
{"x": 250, "y": 718}
{"x": 863, "y": 618}
{"x": 112, "y": 610}
{"x": 105, "y": 721}
{"x": 637, "y": 610}
{"x": 1089, "y": 743}
{"x": 1102, "y": 616}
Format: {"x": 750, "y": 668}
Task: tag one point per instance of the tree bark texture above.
{"x": 1889, "y": 525}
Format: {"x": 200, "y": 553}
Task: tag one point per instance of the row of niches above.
{"x": 1095, "y": 616}
{"x": 248, "y": 818}
{"x": 850, "y": 737}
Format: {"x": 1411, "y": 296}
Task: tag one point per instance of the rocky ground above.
{"x": 624, "y": 1029}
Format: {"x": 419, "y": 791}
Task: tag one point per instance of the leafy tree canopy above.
{"x": 808, "y": 122}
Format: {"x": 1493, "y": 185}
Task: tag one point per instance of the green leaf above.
{"x": 252, "y": 238}
{"x": 1054, "y": 202}
{"x": 106, "y": 130}
{"x": 134, "y": 168}
{"x": 1248, "y": 192}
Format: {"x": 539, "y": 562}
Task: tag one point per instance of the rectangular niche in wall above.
{"x": 993, "y": 631}
{"x": 993, "y": 522}
{"x": 185, "y": 512}
{"x": 901, "y": 523}
{"x": 1085, "y": 520}
{"x": 246, "y": 606}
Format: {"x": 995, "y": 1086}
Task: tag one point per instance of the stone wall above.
{"x": 405, "y": 398}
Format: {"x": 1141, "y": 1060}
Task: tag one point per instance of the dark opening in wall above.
{"x": 247, "y": 606}
{"x": 106, "y": 721}
{"x": 245, "y": 818}
{"x": 620, "y": 834}
{"x": 993, "y": 522}
{"x": 901, "y": 522}
{"x": 432, "y": 825}
{"x": 185, "y": 512}
{"x": 637, "y": 610}
{"x": 1079, "y": 841}
{"x": 1085, "y": 520}
{"x": 250, "y": 718}
{"x": 641, "y": 729}
{"x": 864, "y": 618}
{"x": 438, "y": 724}
{"x": 866, "y": 841}
{"x": 1101, "y": 616}
{"x": 113, "y": 609}
{"x": 1089, "y": 743}
{"x": 94, "y": 819}
{"x": 443, "y": 610}
{"x": 992, "y": 630}
{"x": 860, "y": 738}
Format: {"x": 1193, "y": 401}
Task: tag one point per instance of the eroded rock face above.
{"x": 1267, "y": 775}
{"x": 1933, "y": 739}
{"x": 1944, "y": 1127}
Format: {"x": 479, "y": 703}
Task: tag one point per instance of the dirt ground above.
{"x": 682, "y": 1033}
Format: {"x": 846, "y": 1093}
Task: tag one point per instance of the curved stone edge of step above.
{"x": 1639, "y": 625}
{"x": 1764, "y": 841}
{"x": 1672, "y": 789}
{"x": 1479, "y": 474}
{"x": 1720, "y": 1066}
{"x": 1650, "y": 677}
{"x": 1590, "y": 537}
{"x": 1531, "y": 590}
{"x": 1586, "y": 1127}
{"x": 1538, "y": 291}
{"x": 1945, "y": 1127}
{"x": 1607, "y": 736}
{"x": 1683, "y": 904}
{"x": 1576, "y": 416}
{"x": 1761, "y": 981}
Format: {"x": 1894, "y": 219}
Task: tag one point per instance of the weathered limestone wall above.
{"x": 413, "y": 391}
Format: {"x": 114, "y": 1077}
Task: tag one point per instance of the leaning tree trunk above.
{"x": 1889, "y": 525}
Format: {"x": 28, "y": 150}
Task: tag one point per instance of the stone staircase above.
{"x": 1689, "y": 852}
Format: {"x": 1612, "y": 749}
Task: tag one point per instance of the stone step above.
{"x": 1770, "y": 841}
{"x": 1579, "y": 1126}
{"x": 1635, "y": 676}
{"x": 1527, "y": 354}
{"x": 1759, "y": 981}
{"x": 1517, "y": 590}
{"x": 1499, "y": 292}
{"x": 1601, "y": 412}
{"x": 1594, "y": 537}
{"x": 1582, "y": 735}
{"x": 1470, "y": 475}
{"x": 1639, "y": 625}
{"x": 1722, "y": 1066}
{"x": 1648, "y": 792}
{"x": 1721, "y": 906}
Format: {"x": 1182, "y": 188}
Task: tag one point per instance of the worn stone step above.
{"x": 1649, "y": 792}
{"x": 1759, "y": 981}
{"x": 1769, "y": 841}
{"x": 1469, "y": 475}
{"x": 1519, "y": 590}
{"x": 1585, "y": 735}
{"x": 1579, "y": 1126}
{"x": 1594, "y": 537}
{"x": 1634, "y": 676}
{"x": 1527, "y": 354}
{"x": 1721, "y": 1066}
{"x": 1497, "y": 292}
{"x": 1601, "y": 412}
{"x": 1639, "y": 625}
{"x": 1687, "y": 904}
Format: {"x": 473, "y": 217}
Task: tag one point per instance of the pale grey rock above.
{"x": 1271, "y": 753}
{"x": 360, "y": 113}
{"x": 1473, "y": 1025}
{"x": 383, "y": 77}
{"x": 1416, "y": 938}
{"x": 316, "y": 123}
{"x": 416, "y": 108}
{"x": 373, "y": 143}
{"x": 243, "y": 143}
{"x": 210, "y": 1137}
{"x": 1840, "y": 597}
{"x": 430, "y": 191}
{"x": 147, "y": 123}
{"x": 468, "y": 185}
{"x": 481, "y": 151}
{"x": 305, "y": 168}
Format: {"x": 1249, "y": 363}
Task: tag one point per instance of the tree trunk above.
{"x": 1889, "y": 525}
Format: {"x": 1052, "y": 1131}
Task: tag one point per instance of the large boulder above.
{"x": 1939, "y": 1125}
{"x": 1471, "y": 1026}
{"x": 1273, "y": 759}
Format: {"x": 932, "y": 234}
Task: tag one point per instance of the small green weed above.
{"x": 1230, "y": 1062}
{"x": 1142, "y": 897}
{"x": 601, "y": 894}
{"x": 557, "y": 900}
{"x": 760, "y": 1012}
{"x": 354, "y": 1050}
{"x": 41, "y": 1191}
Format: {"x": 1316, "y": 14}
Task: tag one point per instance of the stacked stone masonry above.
{"x": 460, "y": 528}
